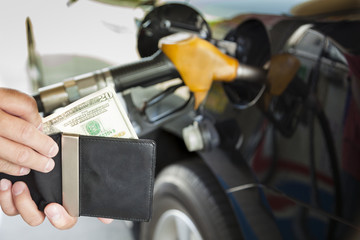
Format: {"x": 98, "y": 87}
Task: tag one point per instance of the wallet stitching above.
{"x": 134, "y": 141}
{"x": 151, "y": 184}
{"x": 121, "y": 218}
{"x": 80, "y": 176}
{"x": 152, "y": 179}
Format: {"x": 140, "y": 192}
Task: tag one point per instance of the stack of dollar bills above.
{"x": 98, "y": 114}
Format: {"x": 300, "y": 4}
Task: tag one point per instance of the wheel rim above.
{"x": 174, "y": 224}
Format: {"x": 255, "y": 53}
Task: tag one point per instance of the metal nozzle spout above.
{"x": 61, "y": 94}
{"x": 251, "y": 74}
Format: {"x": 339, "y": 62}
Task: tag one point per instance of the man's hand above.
{"x": 15, "y": 199}
{"x": 23, "y": 145}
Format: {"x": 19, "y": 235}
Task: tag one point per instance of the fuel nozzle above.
{"x": 199, "y": 63}
{"x": 62, "y": 93}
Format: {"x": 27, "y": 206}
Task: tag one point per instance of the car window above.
{"x": 311, "y": 43}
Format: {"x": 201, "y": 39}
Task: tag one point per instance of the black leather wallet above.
{"x": 97, "y": 177}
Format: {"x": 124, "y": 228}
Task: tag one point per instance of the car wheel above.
{"x": 189, "y": 203}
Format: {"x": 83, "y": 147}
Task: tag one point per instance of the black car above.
{"x": 271, "y": 155}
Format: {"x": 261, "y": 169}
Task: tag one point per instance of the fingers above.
{"x": 6, "y": 200}
{"x": 58, "y": 216}
{"x": 25, "y": 205}
{"x": 16, "y": 154}
{"x": 18, "y": 130}
{"x": 23, "y": 145}
{"x": 13, "y": 169}
{"x": 21, "y": 105}
{"x": 106, "y": 220}
{"x": 16, "y": 199}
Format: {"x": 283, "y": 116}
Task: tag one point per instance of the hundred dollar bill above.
{"x": 98, "y": 114}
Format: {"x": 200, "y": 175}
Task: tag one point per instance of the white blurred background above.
{"x": 69, "y": 40}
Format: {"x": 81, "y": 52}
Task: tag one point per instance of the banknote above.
{"x": 98, "y": 114}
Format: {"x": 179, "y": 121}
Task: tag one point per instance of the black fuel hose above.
{"x": 145, "y": 72}
{"x": 149, "y": 71}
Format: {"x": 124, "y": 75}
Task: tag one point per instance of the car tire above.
{"x": 189, "y": 203}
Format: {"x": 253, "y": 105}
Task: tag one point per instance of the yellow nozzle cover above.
{"x": 199, "y": 63}
{"x": 283, "y": 68}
